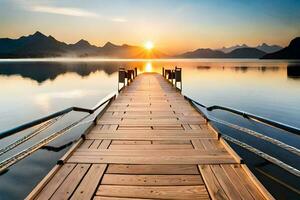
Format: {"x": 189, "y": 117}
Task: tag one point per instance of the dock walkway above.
{"x": 150, "y": 144}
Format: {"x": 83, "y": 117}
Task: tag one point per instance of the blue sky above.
{"x": 173, "y": 25}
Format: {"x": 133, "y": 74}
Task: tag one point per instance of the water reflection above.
{"x": 203, "y": 67}
{"x": 57, "y": 149}
{"x": 293, "y": 71}
{"x": 32, "y": 89}
{"x": 148, "y": 67}
{"x": 41, "y": 72}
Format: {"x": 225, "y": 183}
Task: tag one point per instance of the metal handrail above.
{"x": 250, "y": 116}
{"x": 25, "y": 126}
{"x": 271, "y": 159}
{"x": 26, "y": 152}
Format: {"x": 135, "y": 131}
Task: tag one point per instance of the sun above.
{"x": 149, "y": 45}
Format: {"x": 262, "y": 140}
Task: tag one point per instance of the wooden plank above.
{"x": 231, "y": 151}
{"x": 151, "y": 180}
{"x": 166, "y": 127}
{"x": 95, "y": 144}
{"x": 134, "y": 136}
{"x": 237, "y": 182}
{"x": 144, "y": 123}
{"x": 104, "y": 144}
{"x": 66, "y": 189}
{"x": 86, "y": 144}
{"x": 152, "y": 169}
{"x": 153, "y": 160}
{"x": 171, "y": 142}
{"x": 137, "y": 109}
{"x": 186, "y": 126}
{"x": 90, "y": 182}
{"x": 162, "y": 113}
{"x": 53, "y": 171}
{"x": 134, "y": 127}
{"x": 131, "y": 133}
{"x": 158, "y": 132}
{"x": 37, "y": 189}
{"x": 55, "y": 182}
{"x": 130, "y": 142}
{"x": 113, "y": 127}
{"x": 208, "y": 145}
{"x": 215, "y": 190}
{"x": 116, "y": 198}
{"x": 225, "y": 182}
{"x": 152, "y": 146}
{"x": 138, "y": 113}
{"x": 161, "y": 192}
{"x": 252, "y": 183}
{"x": 149, "y": 152}
{"x": 197, "y": 144}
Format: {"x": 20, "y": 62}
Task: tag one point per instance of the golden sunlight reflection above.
{"x": 148, "y": 67}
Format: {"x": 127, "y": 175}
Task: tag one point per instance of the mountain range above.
{"x": 39, "y": 45}
{"x": 237, "y": 53}
{"x": 263, "y": 47}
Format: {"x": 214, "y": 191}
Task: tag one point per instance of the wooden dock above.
{"x": 150, "y": 144}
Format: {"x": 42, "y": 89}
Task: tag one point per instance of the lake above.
{"x": 34, "y": 88}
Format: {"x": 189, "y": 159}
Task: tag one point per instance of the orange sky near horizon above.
{"x": 173, "y": 26}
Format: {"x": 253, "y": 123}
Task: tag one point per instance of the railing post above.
{"x": 178, "y": 77}
{"x": 121, "y": 78}
{"x": 135, "y": 72}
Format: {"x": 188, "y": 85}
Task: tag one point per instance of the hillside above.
{"x": 290, "y": 52}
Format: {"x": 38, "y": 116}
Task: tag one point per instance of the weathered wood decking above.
{"x": 150, "y": 144}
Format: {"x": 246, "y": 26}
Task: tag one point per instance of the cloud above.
{"x": 119, "y": 20}
{"x": 67, "y": 11}
{"x": 63, "y": 11}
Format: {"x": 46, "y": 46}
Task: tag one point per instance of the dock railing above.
{"x": 170, "y": 75}
{"x": 45, "y": 123}
{"x": 174, "y": 76}
{"x": 258, "y": 135}
{"x": 125, "y": 77}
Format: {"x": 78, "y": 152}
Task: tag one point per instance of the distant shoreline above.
{"x": 94, "y": 59}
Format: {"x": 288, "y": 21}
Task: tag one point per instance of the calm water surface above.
{"x": 31, "y": 89}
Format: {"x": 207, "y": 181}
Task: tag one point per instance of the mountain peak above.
{"x": 39, "y": 34}
{"x": 109, "y": 45}
{"x": 82, "y": 42}
{"x": 268, "y": 48}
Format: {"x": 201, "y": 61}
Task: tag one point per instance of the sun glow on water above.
{"x": 148, "y": 67}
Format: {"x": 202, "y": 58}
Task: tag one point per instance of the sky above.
{"x": 174, "y": 26}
